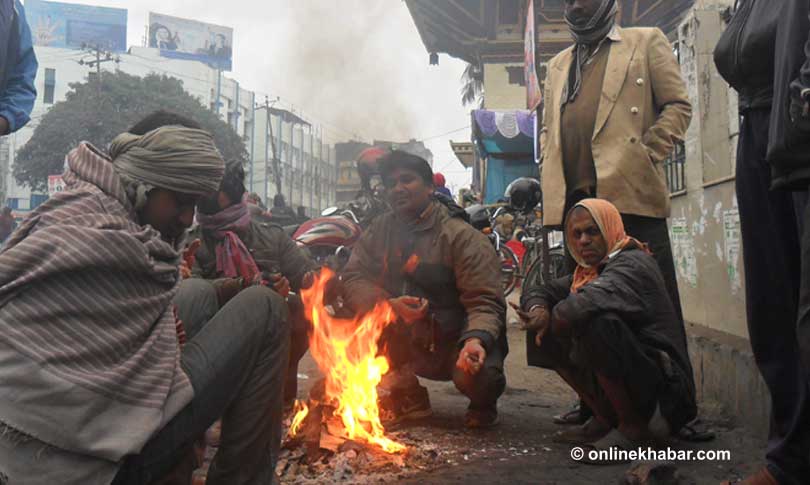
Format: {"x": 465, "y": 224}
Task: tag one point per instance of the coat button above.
{"x": 640, "y": 81}
{"x": 634, "y": 110}
{"x": 633, "y": 139}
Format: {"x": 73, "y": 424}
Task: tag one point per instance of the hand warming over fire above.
{"x": 472, "y": 356}
{"x": 280, "y": 284}
{"x": 409, "y": 309}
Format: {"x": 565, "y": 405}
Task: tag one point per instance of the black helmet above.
{"x": 524, "y": 194}
{"x": 479, "y": 216}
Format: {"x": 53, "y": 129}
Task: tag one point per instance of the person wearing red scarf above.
{"x": 611, "y": 332}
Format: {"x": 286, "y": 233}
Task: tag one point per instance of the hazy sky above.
{"x": 352, "y": 66}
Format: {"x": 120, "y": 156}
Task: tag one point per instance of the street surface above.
{"x": 520, "y": 450}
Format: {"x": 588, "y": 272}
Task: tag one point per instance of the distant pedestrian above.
{"x": 439, "y": 182}
{"x": 18, "y": 68}
{"x": 281, "y": 213}
{"x": 7, "y": 224}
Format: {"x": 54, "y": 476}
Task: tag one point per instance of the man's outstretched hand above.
{"x": 409, "y": 309}
{"x": 538, "y": 319}
{"x": 472, "y": 356}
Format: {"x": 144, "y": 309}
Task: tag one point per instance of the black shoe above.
{"x": 404, "y": 404}
{"x": 481, "y": 418}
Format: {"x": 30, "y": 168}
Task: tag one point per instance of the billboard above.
{"x": 188, "y": 39}
{"x": 68, "y": 25}
{"x": 55, "y": 184}
{"x": 533, "y": 94}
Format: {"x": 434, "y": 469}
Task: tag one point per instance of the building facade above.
{"x": 308, "y": 169}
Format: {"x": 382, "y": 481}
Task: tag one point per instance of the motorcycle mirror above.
{"x": 329, "y": 211}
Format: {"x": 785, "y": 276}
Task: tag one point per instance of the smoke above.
{"x": 341, "y": 63}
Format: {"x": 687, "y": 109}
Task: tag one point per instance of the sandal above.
{"x": 615, "y": 441}
{"x": 578, "y": 415}
{"x": 696, "y": 431}
{"x": 761, "y": 477}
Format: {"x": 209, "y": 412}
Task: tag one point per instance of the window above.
{"x": 674, "y": 169}
{"x": 508, "y": 12}
{"x": 50, "y": 85}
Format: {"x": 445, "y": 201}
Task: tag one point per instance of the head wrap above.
{"x": 172, "y": 157}
{"x": 439, "y": 180}
{"x": 610, "y": 224}
{"x": 594, "y": 31}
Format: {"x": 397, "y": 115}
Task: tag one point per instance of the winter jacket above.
{"x": 271, "y": 248}
{"x": 457, "y": 271}
{"x": 18, "y": 66}
{"x": 789, "y": 143}
{"x": 629, "y": 285}
{"x": 744, "y": 56}
{"x": 644, "y": 110}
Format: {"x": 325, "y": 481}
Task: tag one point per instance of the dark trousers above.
{"x": 299, "y": 344}
{"x": 236, "y": 359}
{"x": 483, "y": 389}
{"x": 608, "y": 347}
{"x": 773, "y": 257}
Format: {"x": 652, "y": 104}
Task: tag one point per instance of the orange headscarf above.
{"x": 610, "y": 224}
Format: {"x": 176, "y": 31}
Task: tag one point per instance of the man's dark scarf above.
{"x": 585, "y": 35}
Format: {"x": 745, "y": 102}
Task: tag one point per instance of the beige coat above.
{"x": 644, "y": 110}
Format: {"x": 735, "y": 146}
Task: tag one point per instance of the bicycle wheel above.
{"x": 534, "y": 277}
{"x": 509, "y": 269}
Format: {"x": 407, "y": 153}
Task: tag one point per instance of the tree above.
{"x": 472, "y": 89}
{"x": 98, "y": 113}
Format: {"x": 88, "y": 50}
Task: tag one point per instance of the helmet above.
{"x": 330, "y": 231}
{"x": 524, "y": 194}
{"x": 368, "y": 163}
{"x": 479, "y": 216}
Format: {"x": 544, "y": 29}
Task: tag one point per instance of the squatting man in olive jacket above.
{"x": 442, "y": 278}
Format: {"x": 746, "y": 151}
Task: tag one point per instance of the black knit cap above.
{"x": 404, "y": 160}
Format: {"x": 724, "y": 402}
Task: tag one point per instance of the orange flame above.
{"x": 346, "y": 352}
{"x": 301, "y": 411}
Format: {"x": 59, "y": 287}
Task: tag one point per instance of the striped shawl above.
{"x": 89, "y": 358}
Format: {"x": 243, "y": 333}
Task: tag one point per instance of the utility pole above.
{"x": 101, "y": 56}
{"x": 269, "y": 142}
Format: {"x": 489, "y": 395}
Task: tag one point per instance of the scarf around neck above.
{"x": 233, "y": 257}
{"x": 593, "y": 32}
{"x": 610, "y": 224}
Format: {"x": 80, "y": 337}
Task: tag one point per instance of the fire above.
{"x": 301, "y": 411}
{"x": 346, "y": 352}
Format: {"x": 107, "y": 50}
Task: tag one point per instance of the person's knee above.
{"x": 267, "y": 312}
{"x": 196, "y": 302}
{"x": 603, "y": 345}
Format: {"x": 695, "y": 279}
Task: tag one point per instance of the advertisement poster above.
{"x": 180, "y": 38}
{"x": 55, "y": 184}
{"x": 73, "y": 26}
{"x": 533, "y": 94}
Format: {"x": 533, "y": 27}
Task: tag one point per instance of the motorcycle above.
{"x": 329, "y": 238}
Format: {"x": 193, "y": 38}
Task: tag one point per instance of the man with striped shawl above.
{"x": 95, "y": 385}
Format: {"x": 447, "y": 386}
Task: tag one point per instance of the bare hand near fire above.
{"x": 537, "y": 319}
{"x": 472, "y": 356}
{"x": 409, "y": 309}
{"x": 281, "y": 285}
{"x": 187, "y": 261}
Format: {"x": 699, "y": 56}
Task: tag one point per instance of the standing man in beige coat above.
{"x": 615, "y": 106}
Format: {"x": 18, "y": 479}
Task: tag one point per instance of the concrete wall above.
{"x": 705, "y": 223}
{"x": 498, "y": 92}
